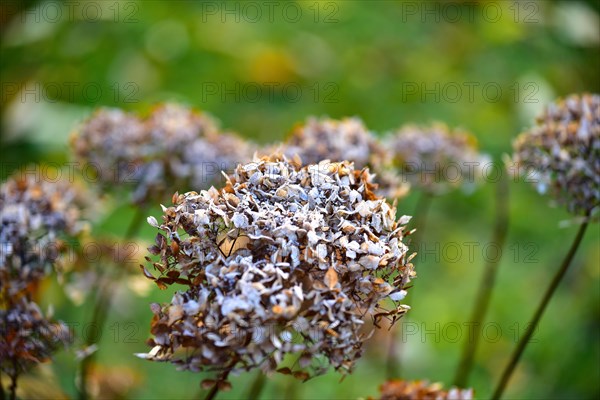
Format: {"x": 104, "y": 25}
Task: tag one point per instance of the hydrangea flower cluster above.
{"x": 435, "y": 159}
{"x": 335, "y": 140}
{"x": 174, "y": 147}
{"x": 421, "y": 390}
{"x": 27, "y": 337}
{"x": 35, "y": 215}
{"x": 284, "y": 259}
{"x": 562, "y": 152}
{"x": 346, "y": 139}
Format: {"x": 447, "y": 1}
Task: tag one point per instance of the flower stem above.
{"x": 539, "y": 312}
{"x": 102, "y": 305}
{"x": 215, "y": 389}
{"x": 486, "y": 286}
{"x": 257, "y": 386}
{"x": 393, "y": 365}
{"x": 13, "y": 380}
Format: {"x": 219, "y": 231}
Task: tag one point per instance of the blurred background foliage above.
{"x": 488, "y": 67}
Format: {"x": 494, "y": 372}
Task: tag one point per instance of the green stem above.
{"x": 102, "y": 305}
{"x": 257, "y": 386}
{"x": 539, "y": 312}
{"x": 486, "y": 286}
{"x": 393, "y": 364}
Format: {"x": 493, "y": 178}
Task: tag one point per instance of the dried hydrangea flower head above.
{"x": 421, "y": 390}
{"x": 347, "y": 139}
{"x": 27, "y": 337}
{"x": 335, "y": 140}
{"x": 284, "y": 259}
{"x": 175, "y": 147}
{"x": 36, "y": 214}
{"x": 435, "y": 159}
{"x": 562, "y": 152}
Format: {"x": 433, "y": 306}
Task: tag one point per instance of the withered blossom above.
{"x": 335, "y": 140}
{"x": 174, "y": 147}
{"x": 347, "y": 139}
{"x": 561, "y": 153}
{"x": 36, "y": 216}
{"x": 397, "y": 389}
{"x": 284, "y": 259}
{"x": 435, "y": 158}
{"x": 27, "y": 337}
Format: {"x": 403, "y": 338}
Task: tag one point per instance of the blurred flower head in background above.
{"x": 284, "y": 259}
{"x": 397, "y": 389}
{"x": 335, "y": 140}
{"x": 561, "y": 153}
{"x": 347, "y": 139}
{"x": 27, "y": 337}
{"x": 37, "y": 215}
{"x": 174, "y": 147}
{"x": 435, "y": 159}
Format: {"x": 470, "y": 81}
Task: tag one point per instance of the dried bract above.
{"x": 435, "y": 159}
{"x": 174, "y": 148}
{"x": 562, "y": 152}
{"x": 421, "y": 390}
{"x": 284, "y": 259}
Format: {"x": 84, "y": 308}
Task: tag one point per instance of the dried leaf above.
{"x": 208, "y": 384}
{"x": 285, "y": 371}
{"x": 147, "y": 274}
{"x": 331, "y": 278}
{"x": 301, "y": 375}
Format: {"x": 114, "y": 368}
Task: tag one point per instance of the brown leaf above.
{"x": 147, "y": 274}
{"x": 174, "y": 248}
{"x": 173, "y": 274}
{"x": 160, "y": 240}
{"x": 301, "y": 375}
{"x": 285, "y": 371}
{"x": 208, "y": 383}
{"x": 277, "y": 309}
{"x": 331, "y": 278}
{"x": 161, "y": 285}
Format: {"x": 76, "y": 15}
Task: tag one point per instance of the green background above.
{"x": 389, "y": 63}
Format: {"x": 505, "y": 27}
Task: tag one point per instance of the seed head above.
{"x": 284, "y": 259}
{"x": 562, "y": 152}
{"x": 435, "y": 159}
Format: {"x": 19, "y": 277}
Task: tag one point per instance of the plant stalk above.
{"x": 510, "y": 367}
{"x": 486, "y": 286}
{"x": 215, "y": 389}
{"x": 257, "y": 386}
{"x": 393, "y": 364}
{"x": 102, "y": 305}
{"x": 13, "y": 380}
